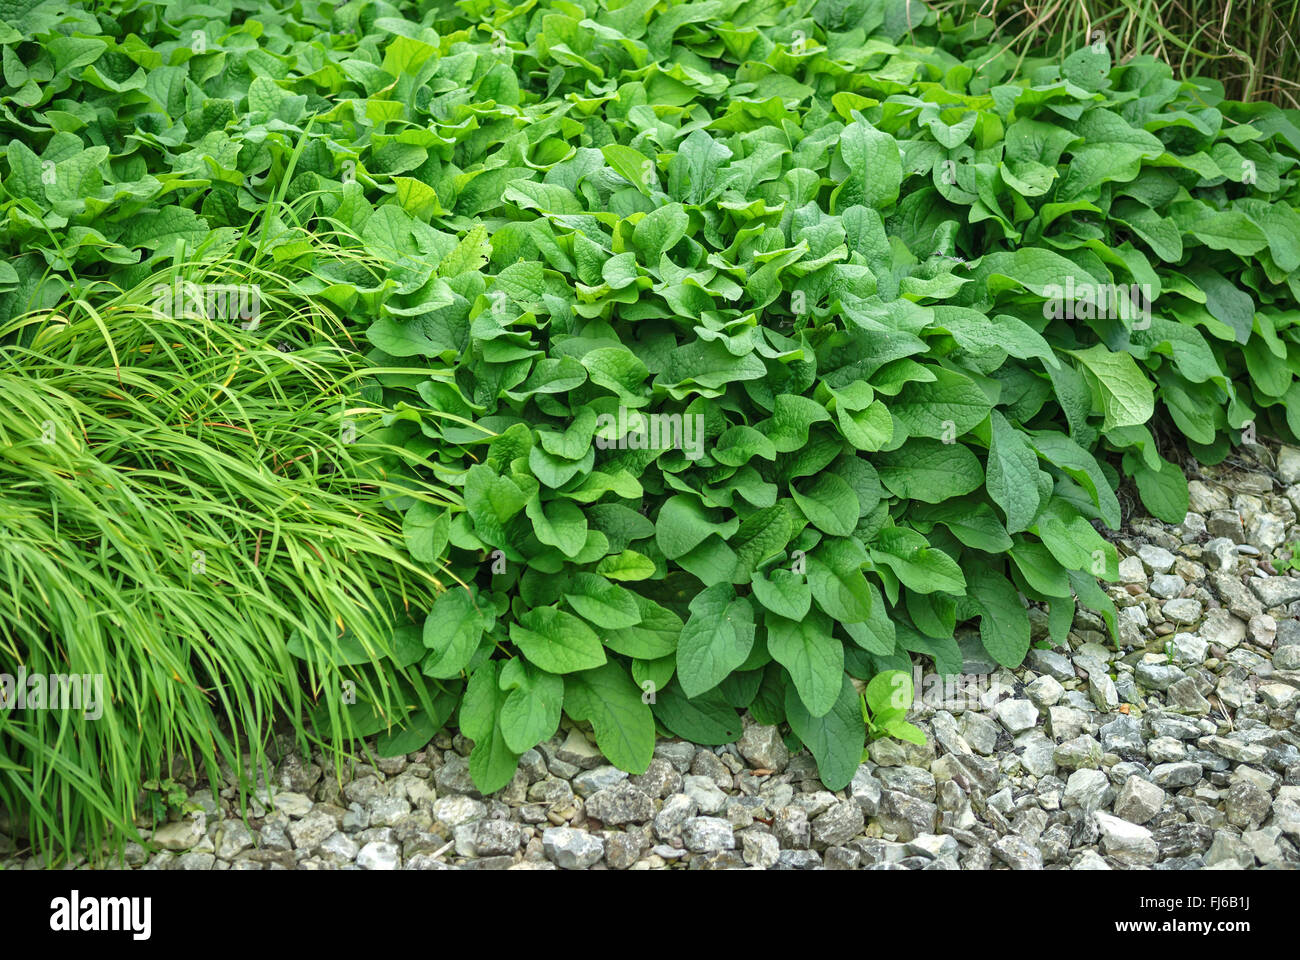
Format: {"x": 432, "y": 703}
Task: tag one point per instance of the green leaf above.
{"x": 659, "y": 230}
{"x": 1125, "y": 394}
{"x": 603, "y": 603}
{"x": 1012, "y": 474}
{"x": 707, "y": 719}
{"x": 829, "y": 503}
{"x": 874, "y": 168}
{"x": 715, "y": 640}
{"x": 837, "y": 583}
{"x": 683, "y": 524}
{"x": 943, "y": 408}
{"x": 452, "y": 632}
{"x": 919, "y": 566}
{"x": 835, "y": 739}
{"x": 530, "y": 712}
{"x": 813, "y": 657}
{"x": 491, "y": 763}
{"x": 784, "y": 593}
{"x": 556, "y": 641}
{"x": 929, "y": 470}
{"x": 1004, "y": 622}
{"x": 624, "y": 727}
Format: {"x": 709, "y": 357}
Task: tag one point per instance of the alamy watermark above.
{"x": 76, "y": 913}
{"x": 53, "y": 691}
{"x": 210, "y": 301}
{"x": 1099, "y": 301}
{"x": 633, "y": 430}
{"x": 957, "y": 692}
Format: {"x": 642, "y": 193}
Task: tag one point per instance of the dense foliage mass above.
{"x": 759, "y": 344}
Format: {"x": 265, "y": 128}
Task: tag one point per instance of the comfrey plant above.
{"x": 820, "y": 237}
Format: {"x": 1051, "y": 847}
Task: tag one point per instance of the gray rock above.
{"x": 1239, "y": 601}
{"x": 180, "y": 834}
{"x": 1174, "y": 775}
{"x": 339, "y": 847}
{"x": 1182, "y": 839}
{"x": 1280, "y": 696}
{"x": 908, "y": 779}
{"x": 1103, "y": 691}
{"x": 309, "y": 832}
{"x": 622, "y": 849}
{"x": 455, "y": 810}
{"x": 1165, "y": 750}
{"x": 1037, "y": 756}
{"x": 1182, "y": 610}
{"x": 1157, "y": 676}
{"x": 380, "y": 856}
{"x": 194, "y": 860}
{"x": 292, "y": 804}
{"x": 1288, "y": 465}
{"x": 841, "y": 858}
{"x": 1077, "y": 754}
{"x": 1184, "y": 696}
{"x": 453, "y": 777}
{"x": 706, "y": 794}
{"x": 1132, "y": 571}
{"x": 905, "y": 816}
{"x": 1156, "y": 559}
{"x": 592, "y": 781}
{"x": 572, "y": 849}
{"x": 763, "y": 747}
{"x": 791, "y": 828}
{"x": 1052, "y": 663}
{"x": 838, "y": 825}
{"x": 1123, "y": 736}
{"x": 1089, "y": 860}
{"x": 1017, "y": 853}
{"x": 1189, "y": 649}
{"x": 1086, "y": 789}
{"x": 707, "y": 835}
{"x": 1287, "y": 658}
{"x": 679, "y": 754}
{"x": 1288, "y": 633}
{"x": 1276, "y": 591}
{"x": 1222, "y": 628}
{"x": 932, "y": 846}
{"x": 1138, "y": 801}
{"x": 1267, "y": 845}
{"x": 1044, "y": 692}
{"x": 865, "y": 791}
{"x": 1229, "y": 851}
{"x": 659, "y": 780}
{"x": 1065, "y": 722}
{"x": 1220, "y": 553}
{"x": 1225, "y": 524}
{"x": 1125, "y": 841}
{"x": 579, "y": 751}
{"x": 1247, "y": 805}
{"x": 1234, "y": 749}
{"x": 980, "y": 731}
{"x": 495, "y": 838}
{"x": 799, "y": 860}
{"x": 235, "y": 839}
{"x": 677, "y": 809}
{"x": 1016, "y": 715}
{"x": 620, "y": 804}
{"x": 760, "y": 850}
{"x": 388, "y": 811}
{"x": 1166, "y": 586}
